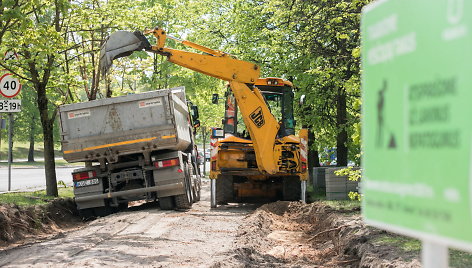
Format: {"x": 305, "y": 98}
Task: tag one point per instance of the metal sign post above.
{"x": 10, "y": 148}
{"x": 434, "y": 254}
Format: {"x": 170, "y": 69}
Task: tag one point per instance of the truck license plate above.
{"x": 86, "y": 182}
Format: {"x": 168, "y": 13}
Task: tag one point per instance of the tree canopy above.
{"x": 314, "y": 43}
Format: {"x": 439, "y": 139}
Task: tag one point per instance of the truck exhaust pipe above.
{"x": 121, "y": 44}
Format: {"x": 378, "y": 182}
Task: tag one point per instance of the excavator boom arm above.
{"x": 259, "y": 121}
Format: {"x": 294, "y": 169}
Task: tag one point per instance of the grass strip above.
{"x": 33, "y": 198}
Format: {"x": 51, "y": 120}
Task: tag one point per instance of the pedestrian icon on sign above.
{"x": 380, "y": 112}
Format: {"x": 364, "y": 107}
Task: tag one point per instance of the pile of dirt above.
{"x": 292, "y": 234}
{"x": 22, "y": 223}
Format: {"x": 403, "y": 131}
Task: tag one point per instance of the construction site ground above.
{"x": 280, "y": 234}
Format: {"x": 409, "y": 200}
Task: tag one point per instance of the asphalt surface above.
{"x": 32, "y": 178}
{"x": 25, "y": 179}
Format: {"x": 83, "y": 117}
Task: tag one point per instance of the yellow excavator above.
{"x": 279, "y": 157}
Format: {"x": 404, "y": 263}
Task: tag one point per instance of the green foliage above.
{"x": 352, "y": 205}
{"x": 33, "y": 198}
{"x": 458, "y": 259}
{"x": 315, "y": 43}
{"x": 402, "y": 242}
{"x": 352, "y": 175}
{"x": 20, "y": 149}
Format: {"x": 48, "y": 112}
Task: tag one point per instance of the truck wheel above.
{"x": 291, "y": 188}
{"x": 102, "y": 211}
{"x": 166, "y": 203}
{"x": 185, "y": 200}
{"x": 224, "y": 189}
{"x": 196, "y": 193}
{"x": 117, "y": 207}
{"x": 196, "y": 184}
{"x": 122, "y": 206}
{"x": 86, "y": 213}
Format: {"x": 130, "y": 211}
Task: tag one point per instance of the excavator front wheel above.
{"x": 224, "y": 189}
{"x": 291, "y": 189}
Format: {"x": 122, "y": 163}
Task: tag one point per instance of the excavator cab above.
{"x": 278, "y": 95}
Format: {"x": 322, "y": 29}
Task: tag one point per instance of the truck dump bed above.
{"x": 114, "y": 127}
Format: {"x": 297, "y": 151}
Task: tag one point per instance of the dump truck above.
{"x": 135, "y": 147}
{"x": 275, "y": 155}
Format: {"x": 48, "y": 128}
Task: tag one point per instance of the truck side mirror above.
{"x": 214, "y": 98}
{"x": 194, "y": 109}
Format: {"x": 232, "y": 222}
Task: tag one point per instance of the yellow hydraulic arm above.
{"x": 259, "y": 121}
{"x": 242, "y": 75}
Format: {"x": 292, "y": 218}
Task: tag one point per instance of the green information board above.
{"x": 417, "y": 118}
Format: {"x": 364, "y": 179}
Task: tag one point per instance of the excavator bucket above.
{"x": 121, "y": 44}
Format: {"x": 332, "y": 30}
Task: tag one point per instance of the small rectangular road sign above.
{"x": 417, "y": 127}
{"x": 10, "y": 106}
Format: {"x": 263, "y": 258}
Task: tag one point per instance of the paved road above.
{"x": 34, "y": 178}
{"x": 31, "y": 178}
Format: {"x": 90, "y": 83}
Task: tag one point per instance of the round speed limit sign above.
{"x": 9, "y": 86}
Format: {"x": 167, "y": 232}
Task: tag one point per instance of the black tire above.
{"x": 224, "y": 190}
{"x": 196, "y": 193}
{"x": 86, "y": 213}
{"x": 122, "y": 206}
{"x": 291, "y": 188}
{"x": 196, "y": 185}
{"x": 166, "y": 203}
{"x": 185, "y": 200}
{"x": 102, "y": 211}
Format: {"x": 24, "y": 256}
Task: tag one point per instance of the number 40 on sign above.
{"x": 9, "y": 86}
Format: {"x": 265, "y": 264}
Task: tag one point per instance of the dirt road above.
{"x": 140, "y": 237}
{"x": 281, "y": 234}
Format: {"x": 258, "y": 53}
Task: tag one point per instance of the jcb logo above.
{"x": 257, "y": 117}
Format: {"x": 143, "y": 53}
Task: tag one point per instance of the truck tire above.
{"x": 224, "y": 189}
{"x": 86, "y": 213}
{"x": 102, "y": 211}
{"x": 196, "y": 185}
{"x": 166, "y": 203}
{"x": 196, "y": 193}
{"x": 291, "y": 188}
{"x": 184, "y": 201}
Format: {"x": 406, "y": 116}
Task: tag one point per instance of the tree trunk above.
{"x": 341, "y": 138}
{"x": 313, "y": 158}
{"x": 47, "y": 124}
{"x": 31, "y": 140}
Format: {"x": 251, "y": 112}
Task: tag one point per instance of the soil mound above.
{"x": 293, "y": 234}
{"x": 20, "y": 223}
